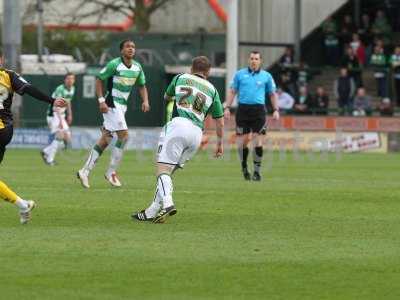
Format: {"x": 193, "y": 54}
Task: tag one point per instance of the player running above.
{"x": 11, "y": 82}
{"x": 122, "y": 74}
{"x": 59, "y": 119}
{"x": 194, "y": 97}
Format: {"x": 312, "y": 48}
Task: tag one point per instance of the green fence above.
{"x": 85, "y": 109}
{"x": 168, "y": 49}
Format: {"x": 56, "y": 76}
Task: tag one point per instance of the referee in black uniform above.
{"x": 251, "y": 85}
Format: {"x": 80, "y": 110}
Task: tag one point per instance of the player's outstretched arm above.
{"x": 219, "y": 151}
{"x": 21, "y": 86}
{"x": 37, "y": 94}
{"x": 145, "y": 98}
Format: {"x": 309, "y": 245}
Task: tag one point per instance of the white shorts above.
{"x": 54, "y": 124}
{"x": 114, "y": 119}
{"x": 178, "y": 142}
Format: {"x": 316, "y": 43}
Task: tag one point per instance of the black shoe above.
{"x": 44, "y": 157}
{"x": 256, "y": 176}
{"x": 246, "y": 174}
{"x": 141, "y": 216}
{"x": 164, "y": 214}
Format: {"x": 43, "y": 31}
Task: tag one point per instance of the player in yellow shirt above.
{"x": 11, "y": 82}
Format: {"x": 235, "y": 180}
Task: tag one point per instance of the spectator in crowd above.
{"x": 385, "y": 107}
{"x": 329, "y": 26}
{"x": 394, "y": 12}
{"x": 287, "y": 84}
{"x": 362, "y": 103}
{"x": 358, "y": 48}
{"x": 381, "y": 27}
{"x": 378, "y": 63}
{"x": 303, "y": 101}
{"x": 351, "y": 63}
{"x": 321, "y": 102}
{"x": 395, "y": 65}
{"x": 379, "y": 42}
{"x": 331, "y": 42}
{"x": 287, "y": 60}
{"x": 285, "y": 101}
{"x": 390, "y": 7}
{"x": 344, "y": 89}
{"x": 347, "y": 29}
{"x": 364, "y": 30}
{"x": 286, "y": 66}
{"x": 302, "y": 74}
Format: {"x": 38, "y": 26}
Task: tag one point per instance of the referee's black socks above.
{"x": 257, "y": 157}
{"x": 243, "y": 154}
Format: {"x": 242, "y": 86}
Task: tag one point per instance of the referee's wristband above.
{"x": 101, "y": 100}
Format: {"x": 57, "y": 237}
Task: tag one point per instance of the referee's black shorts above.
{"x": 6, "y": 134}
{"x": 250, "y": 118}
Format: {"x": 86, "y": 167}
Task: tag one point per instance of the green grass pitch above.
{"x": 314, "y": 228}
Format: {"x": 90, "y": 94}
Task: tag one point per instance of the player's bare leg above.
{"x": 116, "y": 157}
{"x": 243, "y": 149}
{"x": 94, "y": 154}
{"x": 67, "y": 139}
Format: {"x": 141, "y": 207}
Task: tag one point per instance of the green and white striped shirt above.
{"x": 63, "y": 92}
{"x": 195, "y": 98}
{"x": 120, "y": 80}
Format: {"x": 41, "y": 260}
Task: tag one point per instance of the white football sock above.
{"x": 50, "y": 147}
{"x": 165, "y": 189}
{"x": 154, "y": 207}
{"x": 116, "y": 157}
{"x": 94, "y": 155}
{"x": 55, "y": 145}
{"x": 22, "y": 204}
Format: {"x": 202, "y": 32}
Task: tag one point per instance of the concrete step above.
{"x": 328, "y": 76}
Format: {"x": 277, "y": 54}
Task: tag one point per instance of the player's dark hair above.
{"x": 256, "y": 52}
{"x": 122, "y": 44}
{"x": 201, "y": 64}
{"x": 69, "y": 74}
